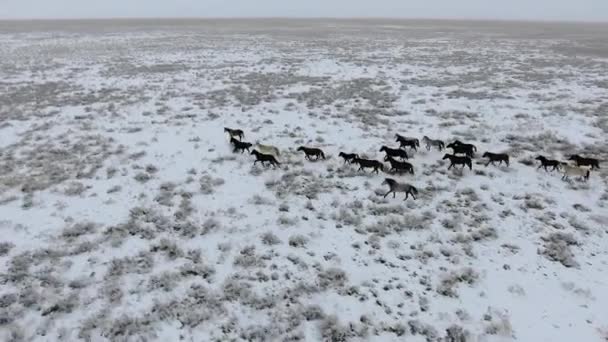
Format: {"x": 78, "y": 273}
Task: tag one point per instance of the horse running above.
{"x": 369, "y": 164}
{"x": 268, "y": 149}
{"x": 398, "y": 166}
{"x": 433, "y": 143}
{"x": 496, "y": 157}
{"x": 348, "y": 157}
{"x": 456, "y": 160}
{"x": 396, "y": 187}
{"x": 580, "y": 161}
{"x": 239, "y": 145}
{"x": 263, "y": 158}
{"x": 235, "y": 133}
{"x": 575, "y": 171}
{"x": 407, "y": 142}
{"x": 311, "y": 151}
{"x": 544, "y": 163}
{"x": 394, "y": 152}
{"x": 460, "y": 148}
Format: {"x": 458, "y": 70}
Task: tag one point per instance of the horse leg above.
{"x": 451, "y": 164}
{"x": 406, "y": 195}
{"x": 386, "y": 194}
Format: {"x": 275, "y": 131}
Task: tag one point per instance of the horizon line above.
{"x": 161, "y": 18}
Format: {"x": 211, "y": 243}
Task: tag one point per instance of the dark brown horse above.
{"x": 496, "y": 157}
{"x": 456, "y": 160}
{"x": 580, "y": 161}
{"x": 263, "y": 158}
{"x": 311, "y": 151}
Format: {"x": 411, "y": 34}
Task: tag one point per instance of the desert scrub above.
{"x": 74, "y": 189}
{"x": 332, "y": 277}
{"x": 270, "y": 239}
{"x": 286, "y": 221}
{"x": 449, "y": 281}
{"x": 557, "y": 248}
{"x": 5, "y": 248}
{"x": 346, "y": 216}
{"x": 248, "y": 258}
{"x": 208, "y": 184}
{"x": 78, "y": 230}
{"x": 142, "y": 177}
{"x": 298, "y": 241}
{"x": 168, "y": 248}
{"x": 210, "y": 225}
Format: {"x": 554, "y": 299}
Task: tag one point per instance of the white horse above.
{"x": 268, "y": 149}
{"x": 575, "y": 171}
{"x": 396, "y": 187}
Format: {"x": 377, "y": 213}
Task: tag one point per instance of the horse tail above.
{"x": 276, "y": 150}
{"x": 474, "y": 148}
{"x": 414, "y": 190}
{"x": 470, "y": 163}
{"x": 322, "y": 154}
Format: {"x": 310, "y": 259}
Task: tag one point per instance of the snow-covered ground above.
{"x": 124, "y": 214}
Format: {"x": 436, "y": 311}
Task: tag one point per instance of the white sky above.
{"x": 584, "y": 10}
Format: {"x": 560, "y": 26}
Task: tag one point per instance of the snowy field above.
{"x": 125, "y": 216}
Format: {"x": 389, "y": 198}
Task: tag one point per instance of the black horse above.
{"x": 348, "y": 157}
{"x": 311, "y": 151}
{"x": 235, "y": 132}
{"x": 263, "y": 158}
{"x": 398, "y": 166}
{"x": 368, "y": 164}
{"x": 580, "y": 161}
{"x": 545, "y": 163}
{"x": 407, "y": 142}
{"x": 456, "y": 160}
{"x": 461, "y": 148}
{"x": 496, "y": 157}
{"x": 394, "y": 152}
{"x": 240, "y": 145}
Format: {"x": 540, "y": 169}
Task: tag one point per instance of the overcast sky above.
{"x": 585, "y": 10}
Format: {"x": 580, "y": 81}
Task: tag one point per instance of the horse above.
{"x": 570, "y": 170}
{"x": 396, "y": 187}
{"x": 261, "y": 157}
{"x": 394, "y": 152}
{"x": 398, "y": 166}
{"x": 580, "y": 161}
{"x": 239, "y": 145}
{"x": 433, "y": 142}
{"x": 268, "y": 149}
{"x": 544, "y": 163}
{"x": 368, "y": 164}
{"x": 235, "y": 133}
{"x": 496, "y": 157}
{"x": 310, "y": 151}
{"x": 456, "y": 160}
{"x": 460, "y": 148}
{"x": 348, "y": 157}
{"x": 405, "y": 142}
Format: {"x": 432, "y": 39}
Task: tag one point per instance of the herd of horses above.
{"x": 462, "y": 155}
